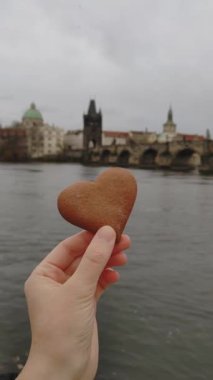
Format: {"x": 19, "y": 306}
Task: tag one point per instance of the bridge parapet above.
{"x": 186, "y": 154}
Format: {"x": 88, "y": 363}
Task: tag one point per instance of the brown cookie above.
{"x": 106, "y": 201}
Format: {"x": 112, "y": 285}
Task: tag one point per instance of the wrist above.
{"x": 43, "y": 369}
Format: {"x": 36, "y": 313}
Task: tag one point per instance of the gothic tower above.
{"x": 92, "y": 127}
{"x": 169, "y": 126}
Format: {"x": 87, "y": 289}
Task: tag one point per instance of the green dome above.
{"x": 33, "y": 113}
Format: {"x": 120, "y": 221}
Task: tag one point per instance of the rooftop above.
{"x": 33, "y": 113}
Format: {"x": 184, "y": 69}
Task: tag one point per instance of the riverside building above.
{"x": 44, "y": 140}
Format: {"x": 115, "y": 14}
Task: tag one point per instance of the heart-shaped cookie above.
{"x": 106, "y": 201}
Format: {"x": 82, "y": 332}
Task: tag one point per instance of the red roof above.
{"x": 142, "y": 132}
{"x": 115, "y": 134}
{"x": 192, "y": 137}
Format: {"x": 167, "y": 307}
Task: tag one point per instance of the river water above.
{"x": 157, "y": 323}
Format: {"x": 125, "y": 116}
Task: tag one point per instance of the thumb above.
{"x": 96, "y": 257}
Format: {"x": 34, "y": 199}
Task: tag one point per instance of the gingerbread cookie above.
{"x": 106, "y": 201}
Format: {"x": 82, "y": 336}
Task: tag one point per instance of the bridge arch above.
{"x": 105, "y": 155}
{"x": 123, "y": 158}
{"x": 186, "y": 158}
{"x": 148, "y": 158}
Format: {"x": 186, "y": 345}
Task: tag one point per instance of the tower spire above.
{"x": 92, "y": 107}
{"x": 170, "y": 114}
{"x": 169, "y": 126}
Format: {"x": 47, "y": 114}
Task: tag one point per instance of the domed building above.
{"x": 32, "y": 116}
{"x": 44, "y": 141}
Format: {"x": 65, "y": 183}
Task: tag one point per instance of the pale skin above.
{"x": 62, "y": 295}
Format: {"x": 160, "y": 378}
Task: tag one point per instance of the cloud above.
{"x": 134, "y": 57}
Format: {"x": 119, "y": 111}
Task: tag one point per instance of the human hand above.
{"x": 62, "y": 294}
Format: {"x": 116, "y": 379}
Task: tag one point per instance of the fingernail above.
{"x": 109, "y": 269}
{"x": 127, "y": 237}
{"x": 106, "y": 233}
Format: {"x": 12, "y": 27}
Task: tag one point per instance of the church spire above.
{"x": 169, "y": 126}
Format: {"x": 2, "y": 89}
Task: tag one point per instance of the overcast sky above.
{"x": 135, "y": 57}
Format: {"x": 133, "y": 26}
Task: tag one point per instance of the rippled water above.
{"x": 157, "y": 323}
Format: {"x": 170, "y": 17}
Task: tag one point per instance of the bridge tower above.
{"x": 92, "y": 127}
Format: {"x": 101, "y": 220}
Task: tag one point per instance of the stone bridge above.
{"x": 176, "y": 155}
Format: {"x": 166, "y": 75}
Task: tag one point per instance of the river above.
{"x": 157, "y": 322}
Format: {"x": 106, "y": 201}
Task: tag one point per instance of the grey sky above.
{"x": 135, "y": 57}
